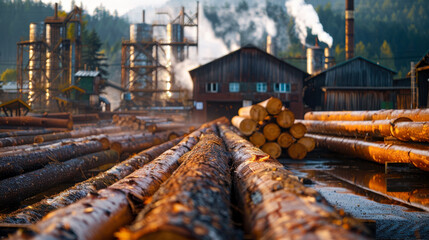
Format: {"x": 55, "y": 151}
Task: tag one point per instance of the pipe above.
{"x": 349, "y": 15}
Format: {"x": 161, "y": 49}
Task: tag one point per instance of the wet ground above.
{"x": 394, "y": 204}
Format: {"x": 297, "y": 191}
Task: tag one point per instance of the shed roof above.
{"x": 248, "y": 46}
{"x": 423, "y": 64}
{"x": 83, "y": 73}
{"x": 351, "y": 60}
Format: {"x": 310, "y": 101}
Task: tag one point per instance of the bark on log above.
{"x": 38, "y": 210}
{"x": 272, "y": 105}
{"x": 271, "y": 131}
{"x": 297, "y": 151}
{"x": 100, "y": 215}
{"x": 26, "y": 133}
{"x": 285, "y": 140}
{"x": 257, "y": 138}
{"x": 18, "y": 164}
{"x": 194, "y": 202}
{"x": 375, "y": 151}
{"x": 255, "y": 112}
{"x": 15, "y": 189}
{"x": 376, "y": 128}
{"x": 37, "y": 122}
{"x": 276, "y": 204}
{"x": 297, "y": 130}
{"x": 308, "y": 143}
{"x": 273, "y": 149}
{"x": 14, "y": 141}
{"x": 76, "y": 134}
{"x": 246, "y": 126}
{"x": 417, "y": 115}
{"x": 285, "y": 118}
{"x": 411, "y": 131}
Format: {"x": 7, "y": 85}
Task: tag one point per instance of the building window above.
{"x": 234, "y": 87}
{"x": 282, "y": 87}
{"x": 212, "y": 87}
{"x": 261, "y": 87}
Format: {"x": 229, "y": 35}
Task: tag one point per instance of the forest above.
{"x": 389, "y": 32}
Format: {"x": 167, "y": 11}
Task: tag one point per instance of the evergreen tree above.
{"x": 92, "y": 56}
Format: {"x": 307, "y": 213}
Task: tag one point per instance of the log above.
{"x": 257, "y": 138}
{"x": 76, "y": 134}
{"x": 99, "y": 215}
{"x": 138, "y": 144}
{"x": 285, "y": 118}
{"x": 411, "y": 131}
{"x": 417, "y": 115}
{"x": 15, "y": 189}
{"x": 272, "y": 105}
{"x": 255, "y": 112}
{"x": 14, "y": 141}
{"x": 285, "y": 140}
{"x": 38, "y": 210}
{"x": 85, "y": 118}
{"x": 308, "y": 143}
{"x": 37, "y": 122}
{"x": 18, "y": 164}
{"x": 298, "y": 130}
{"x": 297, "y": 151}
{"x": 26, "y": 133}
{"x": 194, "y": 202}
{"x": 276, "y": 204}
{"x": 376, "y": 128}
{"x": 246, "y": 126}
{"x": 375, "y": 151}
{"x": 271, "y": 131}
{"x": 273, "y": 149}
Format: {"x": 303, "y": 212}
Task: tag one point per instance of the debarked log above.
{"x": 194, "y": 202}
{"x": 411, "y": 131}
{"x": 272, "y": 105}
{"x": 16, "y": 164}
{"x": 99, "y": 215}
{"x": 37, "y": 122}
{"x": 245, "y": 125}
{"x": 379, "y": 152}
{"x": 417, "y": 115}
{"x": 377, "y": 128}
{"x": 38, "y": 210}
{"x": 277, "y": 204}
{"x": 255, "y": 112}
{"x": 15, "y": 189}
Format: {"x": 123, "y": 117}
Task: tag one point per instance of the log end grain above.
{"x": 272, "y": 148}
{"x": 271, "y": 131}
{"x": 257, "y": 138}
{"x": 285, "y": 118}
{"x": 272, "y": 105}
{"x": 298, "y": 130}
{"x": 297, "y": 151}
{"x": 308, "y": 143}
{"x": 285, "y": 140}
{"x": 246, "y": 126}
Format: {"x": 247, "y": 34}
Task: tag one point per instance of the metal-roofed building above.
{"x": 245, "y": 76}
{"x": 356, "y": 84}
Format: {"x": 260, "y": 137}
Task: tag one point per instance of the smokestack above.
{"x": 350, "y": 29}
{"x": 56, "y": 10}
{"x": 182, "y": 16}
{"x": 269, "y": 45}
{"x": 143, "y": 16}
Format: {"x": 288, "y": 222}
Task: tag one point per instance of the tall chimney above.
{"x": 143, "y": 16}
{"x": 56, "y": 11}
{"x": 350, "y": 29}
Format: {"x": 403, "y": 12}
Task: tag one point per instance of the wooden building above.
{"x": 356, "y": 84}
{"x": 248, "y": 75}
{"x": 422, "y": 81}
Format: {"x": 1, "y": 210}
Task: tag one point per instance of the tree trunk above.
{"x": 297, "y": 130}
{"x": 14, "y": 141}
{"x": 297, "y": 151}
{"x": 246, "y": 126}
{"x": 257, "y": 138}
{"x": 272, "y": 105}
{"x": 271, "y": 131}
{"x": 417, "y": 115}
{"x": 376, "y": 128}
{"x": 36, "y": 211}
{"x": 255, "y": 112}
{"x": 373, "y": 151}
{"x": 15, "y": 189}
{"x": 285, "y": 118}
{"x": 411, "y": 131}
{"x": 26, "y": 133}
{"x": 273, "y": 149}
{"x": 76, "y": 134}
{"x": 308, "y": 143}
{"x": 285, "y": 140}
{"x": 276, "y": 204}
{"x": 37, "y": 122}
{"x": 17, "y": 164}
{"x": 100, "y": 215}
{"x": 193, "y": 203}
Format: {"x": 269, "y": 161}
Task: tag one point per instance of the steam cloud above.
{"x": 306, "y": 17}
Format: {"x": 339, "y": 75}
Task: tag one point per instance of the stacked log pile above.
{"x": 380, "y": 136}
{"x": 272, "y": 127}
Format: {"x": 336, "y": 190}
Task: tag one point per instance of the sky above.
{"x": 122, "y": 6}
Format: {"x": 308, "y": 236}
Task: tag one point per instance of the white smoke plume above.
{"x": 306, "y": 17}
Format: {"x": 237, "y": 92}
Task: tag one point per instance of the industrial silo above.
{"x": 175, "y": 35}
{"x": 35, "y": 64}
{"x": 315, "y": 59}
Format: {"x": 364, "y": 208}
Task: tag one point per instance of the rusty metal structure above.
{"x": 47, "y": 61}
{"x": 147, "y": 62}
{"x": 349, "y": 15}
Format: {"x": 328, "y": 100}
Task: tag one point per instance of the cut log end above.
{"x": 272, "y": 105}
{"x": 271, "y": 131}
{"x": 297, "y": 151}
{"x": 273, "y": 149}
{"x": 246, "y": 126}
{"x": 308, "y": 143}
{"x": 254, "y": 112}
{"x": 285, "y": 118}
{"x": 285, "y": 140}
{"x": 257, "y": 138}
{"x": 298, "y": 130}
